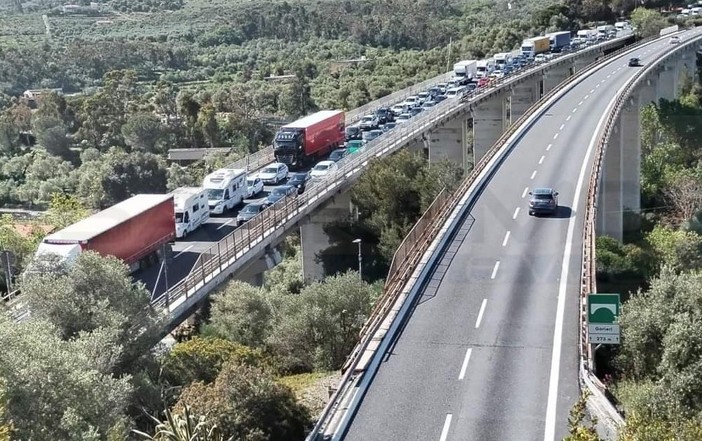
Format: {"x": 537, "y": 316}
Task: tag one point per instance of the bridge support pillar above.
{"x": 523, "y": 96}
{"x": 253, "y": 272}
{"x": 609, "y": 204}
{"x": 312, "y": 236}
{"x": 555, "y": 76}
{"x": 582, "y": 62}
{"x": 489, "y": 120}
{"x": 668, "y": 82}
{"x": 448, "y": 142}
{"x": 420, "y": 146}
{"x": 648, "y": 92}
{"x": 630, "y": 125}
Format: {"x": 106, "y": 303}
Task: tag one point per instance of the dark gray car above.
{"x": 543, "y": 201}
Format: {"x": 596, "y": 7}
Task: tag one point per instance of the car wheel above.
{"x": 185, "y": 234}
{"x": 531, "y": 213}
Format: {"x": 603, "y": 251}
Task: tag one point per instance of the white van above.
{"x": 226, "y": 188}
{"x": 191, "y": 209}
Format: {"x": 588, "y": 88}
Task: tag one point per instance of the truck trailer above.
{"x": 303, "y": 141}
{"x": 465, "y": 70}
{"x": 133, "y": 231}
{"x": 531, "y": 47}
{"x": 559, "y": 40}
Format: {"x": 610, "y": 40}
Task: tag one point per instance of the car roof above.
{"x": 325, "y": 162}
{"x": 282, "y": 186}
{"x": 543, "y": 190}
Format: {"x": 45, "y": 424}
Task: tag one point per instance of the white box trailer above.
{"x": 191, "y": 209}
{"x": 226, "y": 188}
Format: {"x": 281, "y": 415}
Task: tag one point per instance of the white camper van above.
{"x": 191, "y": 209}
{"x": 226, "y": 188}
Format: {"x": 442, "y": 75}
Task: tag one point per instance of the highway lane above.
{"x": 476, "y": 359}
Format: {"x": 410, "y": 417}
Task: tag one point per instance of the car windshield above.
{"x": 214, "y": 194}
{"x": 250, "y": 182}
{"x": 270, "y": 170}
{"x": 280, "y": 191}
{"x": 297, "y": 178}
{"x": 542, "y": 196}
{"x": 179, "y": 217}
{"x": 368, "y": 118}
{"x": 336, "y": 154}
{"x": 403, "y": 117}
{"x": 250, "y": 209}
{"x": 321, "y": 167}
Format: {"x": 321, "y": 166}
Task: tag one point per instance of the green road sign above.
{"x": 603, "y": 308}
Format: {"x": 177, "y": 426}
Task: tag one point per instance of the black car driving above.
{"x": 299, "y": 181}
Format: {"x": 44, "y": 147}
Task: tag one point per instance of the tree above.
{"x": 578, "y": 430}
{"x": 648, "y": 22}
{"x": 92, "y": 293}
{"x": 247, "y": 403}
{"x": 50, "y": 133}
{"x": 296, "y": 99}
{"x": 143, "y": 131}
{"x": 678, "y": 249}
{"x": 241, "y": 313}
{"x": 684, "y": 195}
{"x": 207, "y": 124}
{"x": 201, "y": 359}
{"x": 185, "y": 427}
{"x": 61, "y": 389}
{"x": 64, "y": 210}
{"x": 319, "y": 327}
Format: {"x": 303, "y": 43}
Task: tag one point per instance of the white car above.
{"x": 273, "y": 173}
{"x": 323, "y": 168}
{"x": 412, "y": 101}
{"x": 402, "y": 118}
{"x": 253, "y": 187}
{"x": 540, "y": 58}
{"x": 674, "y": 39}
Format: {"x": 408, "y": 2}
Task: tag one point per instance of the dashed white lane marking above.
{"x": 555, "y": 136}
{"x": 533, "y": 175}
{"x": 586, "y": 97}
{"x": 494, "y": 269}
{"x": 568, "y": 117}
{"x": 480, "y": 314}
{"x": 592, "y": 90}
{"x": 225, "y": 224}
{"x": 526, "y": 189}
{"x": 504, "y": 241}
{"x": 447, "y": 426}
{"x": 575, "y": 110}
{"x": 464, "y": 366}
{"x": 580, "y": 103}
{"x": 516, "y": 212}
{"x": 184, "y": 251}
{"x": 561, "y": 127}
{"x": 541, "y": 161}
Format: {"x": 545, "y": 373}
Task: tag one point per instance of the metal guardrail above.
{"x": 417, "y": 242}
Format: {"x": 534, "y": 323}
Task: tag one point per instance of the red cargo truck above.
{"x": 309, "y": 138}
{"x": 133, "y": 230}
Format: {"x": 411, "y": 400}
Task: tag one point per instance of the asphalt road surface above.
{"x": 490, "y": 352}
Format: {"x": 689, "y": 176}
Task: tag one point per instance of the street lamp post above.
{"x": 360, "y": 257}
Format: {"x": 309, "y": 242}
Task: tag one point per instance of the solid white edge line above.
{"x": 480, "y": 314}
{"x": 504, "y": 241}
{"x": 494, "y": 269}
{"x": 516, "y": 212}
{"x": 183, "y": 251}
{"x": 551, "y": 406}
{"x": 447, "y": 425}
{"x": 526, "y": 189}
{"x": 464, "y": 366}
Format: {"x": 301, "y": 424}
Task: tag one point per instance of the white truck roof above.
{"x": 311, "y": 120}
{"x": 183, "y": 194}
{"x": 219, "y": 179}
{"x": 84, "y": 230}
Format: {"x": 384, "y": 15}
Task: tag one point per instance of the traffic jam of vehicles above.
{"x": 309, "y": 149}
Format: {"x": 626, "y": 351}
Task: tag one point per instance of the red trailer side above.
{"x": 130, "y": 230}
{"x": 139, "y": 236}
{"x": 325, "y": 135}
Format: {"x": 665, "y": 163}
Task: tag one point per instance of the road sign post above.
{"x": 603, "y": 318}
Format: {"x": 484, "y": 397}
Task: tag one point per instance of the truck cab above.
{"x": 191, "y": 209}
{"x": 226, "y": 188}
{"x": 502, "y": 60}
